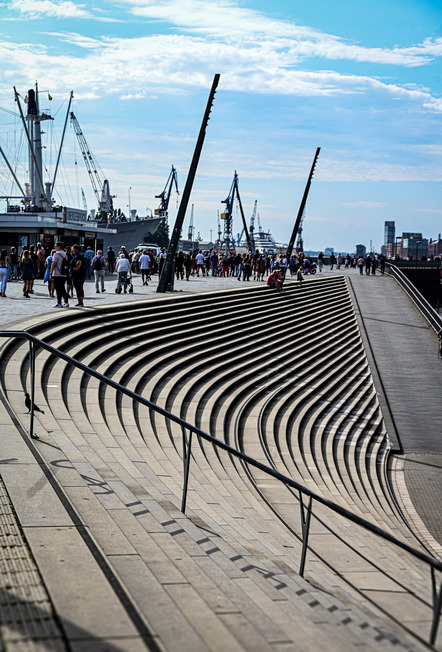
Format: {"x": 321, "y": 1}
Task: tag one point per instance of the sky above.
{"x": 361, "y": 80}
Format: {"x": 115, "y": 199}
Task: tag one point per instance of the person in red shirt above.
{"x": 275, "y": 280}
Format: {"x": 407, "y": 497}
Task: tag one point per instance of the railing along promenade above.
{"x": 429, "y": 313}
{"x": 306, "y": 510}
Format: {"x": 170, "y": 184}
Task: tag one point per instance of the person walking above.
{"x": 28, "y": 271}
{"x": 110, "y": 260}
{"x": 4, "y": 273}
{"x": 122, "y": 269}
{"x": 47, "y": 276}
{"x": 361, "y": 264}
{"x": 145, "y": 263}
{"x": 99, "y": 265}
{"x": 78, "y": 273}
{"x": 179, "y": 265}
{"x": 59, "y": 272}
{"x": 320, "y": 261}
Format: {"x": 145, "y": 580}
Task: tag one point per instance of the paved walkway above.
{"x": 388, "y": 320}
{"x": 408, "y": 374}
{"x": 15, "y": 307}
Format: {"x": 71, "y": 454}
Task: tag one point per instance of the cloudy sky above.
{"x": 362, "y": 80}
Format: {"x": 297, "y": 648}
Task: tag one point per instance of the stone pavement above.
{"x": 15, "y": 307}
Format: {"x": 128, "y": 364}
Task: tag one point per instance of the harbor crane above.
{"x": 164, "y": 196}
{"x": 228, "y": 242}
{"x": 100, "y": 186}
{"x": 191, "y": 227}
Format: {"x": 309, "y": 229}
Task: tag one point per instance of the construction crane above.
{"x": 161, "y": 211}
{"x": 228, "y": 242}
{"x": 252, "y": 225}
{"x": 100, "y": 186}
{"x": 191, "y": 227}
{"x": 84, "y": 200}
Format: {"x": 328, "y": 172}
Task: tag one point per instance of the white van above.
{"x": 153, "y": 247}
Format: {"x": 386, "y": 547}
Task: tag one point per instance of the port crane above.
{"x": 191, "y": 227}
{"x": 100, "y": 186}
{"x": 164, "y": 196}
{"x": 228, "y": 242}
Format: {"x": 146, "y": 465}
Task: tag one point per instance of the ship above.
{"x": 32, "y": 214}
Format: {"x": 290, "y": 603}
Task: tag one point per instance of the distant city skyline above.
{"x": 361, "y": 80}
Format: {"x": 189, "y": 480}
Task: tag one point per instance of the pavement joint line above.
{"x": 401, "y": 492}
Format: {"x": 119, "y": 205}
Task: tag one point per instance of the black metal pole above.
{"x": 302, "y": 207}
{"x": 165, "y": 283}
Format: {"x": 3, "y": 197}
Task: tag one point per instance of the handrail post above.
{"x": 437, "y": 604}
{"x": 187, "y": 449}
{"x": 305, "y": 524}
{"x": 32, "y": 368}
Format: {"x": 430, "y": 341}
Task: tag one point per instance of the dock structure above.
{"x": 335, "y": 384}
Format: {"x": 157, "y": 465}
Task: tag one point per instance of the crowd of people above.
{"x": 66, "y": 268}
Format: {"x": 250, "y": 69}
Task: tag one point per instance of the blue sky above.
{"x": 362, "y": 80}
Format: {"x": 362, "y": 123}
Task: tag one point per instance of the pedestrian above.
{"x": 299, "y": 275}
{"x": 28, "y": 271}
{"x": 13, "y": 257}
{"x": 59, "y": 272}
{"x": 162, "y": 260}
{"x": 361, "y": 264}
{"x": 179, "y": 266}
{"x": 88, "y": 258}
{"x": 41, "y": 256}
{"x": 110, "y": 259}
{"x": 69, "y": 282}
{"x": 200, "y": 263}
{"x": 320, "y": 261}
{"x": 260, "y": 268}
{"x": 247, "y": 268}
{"x": 214, "y": 263}
{"x": 188, "y": 265}
{"x": 99, "y": 266}
{"x": 4, "y": 273}
{"x": 145, "y": 267}
{"x": 78, "y": 272}
{"x": 34, "y": 257}
{"x": 122, "y": 268}
{"x": 48, "y": 278}
{"x": 332, "y": 260}
{"x": 367, "y": 265}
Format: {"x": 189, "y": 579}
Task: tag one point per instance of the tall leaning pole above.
{"x": 302, "y": 207}
{"x": 165, "y": 283}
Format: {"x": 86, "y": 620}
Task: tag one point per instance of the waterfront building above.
{"x": 388, "y": 248}
{"x": 361, "y": 250}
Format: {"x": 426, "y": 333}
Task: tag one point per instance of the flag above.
{"x": 26, "y": 99}
{"x": 49, "y": 97}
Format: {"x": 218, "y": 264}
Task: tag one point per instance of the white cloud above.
{"x": 37, "y": 8}
{"x": 66, "y": 9}
{"x": 229, "y": 22}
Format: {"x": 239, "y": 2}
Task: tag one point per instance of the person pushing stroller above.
{"x": 123, "y": 269}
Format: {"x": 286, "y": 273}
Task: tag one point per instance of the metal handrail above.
{"x": 434, "y": 564}
{"x": 424, "y": 307}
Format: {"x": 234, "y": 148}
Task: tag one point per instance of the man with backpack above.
{"x": 98, "y": 265}
{"x": 59, "y": 273}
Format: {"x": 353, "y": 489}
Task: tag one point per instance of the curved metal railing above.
{"x": 432, "y": 317}
{"x": 435, "y": 564}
